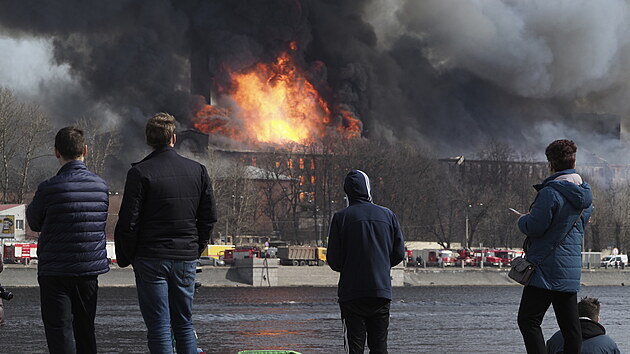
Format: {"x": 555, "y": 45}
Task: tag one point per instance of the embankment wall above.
{"x": 19, "y": 275}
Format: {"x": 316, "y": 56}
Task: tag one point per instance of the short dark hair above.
{"x": 160, "y": 129}
{"x": 70, "y": 141}
{"x": 561, "y": 154}
{"x": 589, "y": 307}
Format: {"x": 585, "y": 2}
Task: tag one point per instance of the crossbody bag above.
{"x": 522, "y": 269}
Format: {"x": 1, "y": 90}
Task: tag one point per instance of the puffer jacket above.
{"x": 560, "y": 200}
{"x": 70, "y": 211}
{"x": 594, "y": 340}
{"x": 365, "y": 241}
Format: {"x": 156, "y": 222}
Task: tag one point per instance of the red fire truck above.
{"x": 239, "y": 253}
{"x": 19, "y": 252}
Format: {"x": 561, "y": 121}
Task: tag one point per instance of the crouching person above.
{"x": 365, "y": 241}
{"x": 594, "y": 338}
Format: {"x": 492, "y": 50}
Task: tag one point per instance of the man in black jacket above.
{"x": 69, "y": 211}
{"x": 165, "y": 222}
{"x": 365, "y": 241}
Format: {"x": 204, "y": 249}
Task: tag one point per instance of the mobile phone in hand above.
{"x": 515, "y": 211}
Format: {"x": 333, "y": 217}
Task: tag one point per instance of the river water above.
{"x": 306, "y": 319}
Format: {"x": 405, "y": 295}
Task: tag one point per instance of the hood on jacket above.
{"x": 357, "y": 186}
{"x": 591, "y": 328}
{"x": 570, "y": 185}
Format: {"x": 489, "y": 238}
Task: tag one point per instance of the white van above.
{"x": 612, "y": 260}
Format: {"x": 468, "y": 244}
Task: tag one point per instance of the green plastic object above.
{"x": 268, "y": 352}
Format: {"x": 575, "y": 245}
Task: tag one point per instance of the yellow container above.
{"x": 216, "y": 251}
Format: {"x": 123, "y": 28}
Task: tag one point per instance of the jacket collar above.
{"x": 591, "y": 328}
{"x": 72, "y": 165}
{"x": 553, "y": 177}
{"x": 155, "y": 153}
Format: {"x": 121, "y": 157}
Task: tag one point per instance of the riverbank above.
{"x": 26, "y": 276}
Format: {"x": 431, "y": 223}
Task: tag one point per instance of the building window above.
{"x": 19, "y": 224}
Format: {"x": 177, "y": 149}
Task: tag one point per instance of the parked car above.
{"x": 209, "y": 261}
{"x": 614, "y": 261}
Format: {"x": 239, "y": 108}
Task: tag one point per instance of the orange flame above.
{"x": 274, "y": 103}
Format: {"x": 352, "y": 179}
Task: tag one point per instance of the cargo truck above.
{"x": 216, "y": 251}
{"x": 302, "y": 255}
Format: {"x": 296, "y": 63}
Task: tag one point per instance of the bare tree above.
{"x": 235, "y": 194}
{"x": 610, "y": 217}
{"x": 23, "y": 128}
{"x": 103, "y": 140}
{"x": 272, "y": 166}
{"x": 238, "y": 199}
{"x": 35, "y": 129}
{"x": 11, "y": 113}
{"x": 291, "y": 189}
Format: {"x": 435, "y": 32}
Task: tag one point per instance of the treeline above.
{"x": 26, "y": 147}
{"x": 292, "y": 193}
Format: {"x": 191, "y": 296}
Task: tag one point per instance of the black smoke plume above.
{"x": 451, "y": 75}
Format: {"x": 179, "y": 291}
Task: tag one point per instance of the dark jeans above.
{"x": 165, "y": 294}
{"x": 534, "y": 304}
{"x": 68, "y": 310}
{"x": 363, "y": 316}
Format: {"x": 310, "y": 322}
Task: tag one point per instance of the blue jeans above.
{"x": 165, "y": 294}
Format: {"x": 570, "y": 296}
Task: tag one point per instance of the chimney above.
{"x": 201, "y": 79}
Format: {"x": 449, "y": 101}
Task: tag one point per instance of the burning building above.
{"x": 448, "y": 77}
{"x": 250, "y": 77}
{"x": 268, "y": 103}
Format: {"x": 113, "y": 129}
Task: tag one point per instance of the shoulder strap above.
{"x": 561, "y": 240}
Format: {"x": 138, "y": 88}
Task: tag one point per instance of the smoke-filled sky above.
{"x": 451, "y": 75}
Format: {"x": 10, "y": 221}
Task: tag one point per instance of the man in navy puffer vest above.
{"x": 365, "y": 242}
{"x": 70, "y": 210}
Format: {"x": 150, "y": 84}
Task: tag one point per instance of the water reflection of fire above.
{"x": 275, "y": 103}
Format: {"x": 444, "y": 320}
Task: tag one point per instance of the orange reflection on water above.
{"x": 274, "y": 332}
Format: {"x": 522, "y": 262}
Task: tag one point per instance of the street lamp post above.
{"x": 467, "y": 208}
{"x": 466, "y": 213}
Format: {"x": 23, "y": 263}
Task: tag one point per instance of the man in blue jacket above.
{"x": 365, "y": 241}
{"x": 165, "y": 222}
{"x": 594, "y": 338}
{"x": 70, "y": 210}
{"x": 554, "y": 227}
